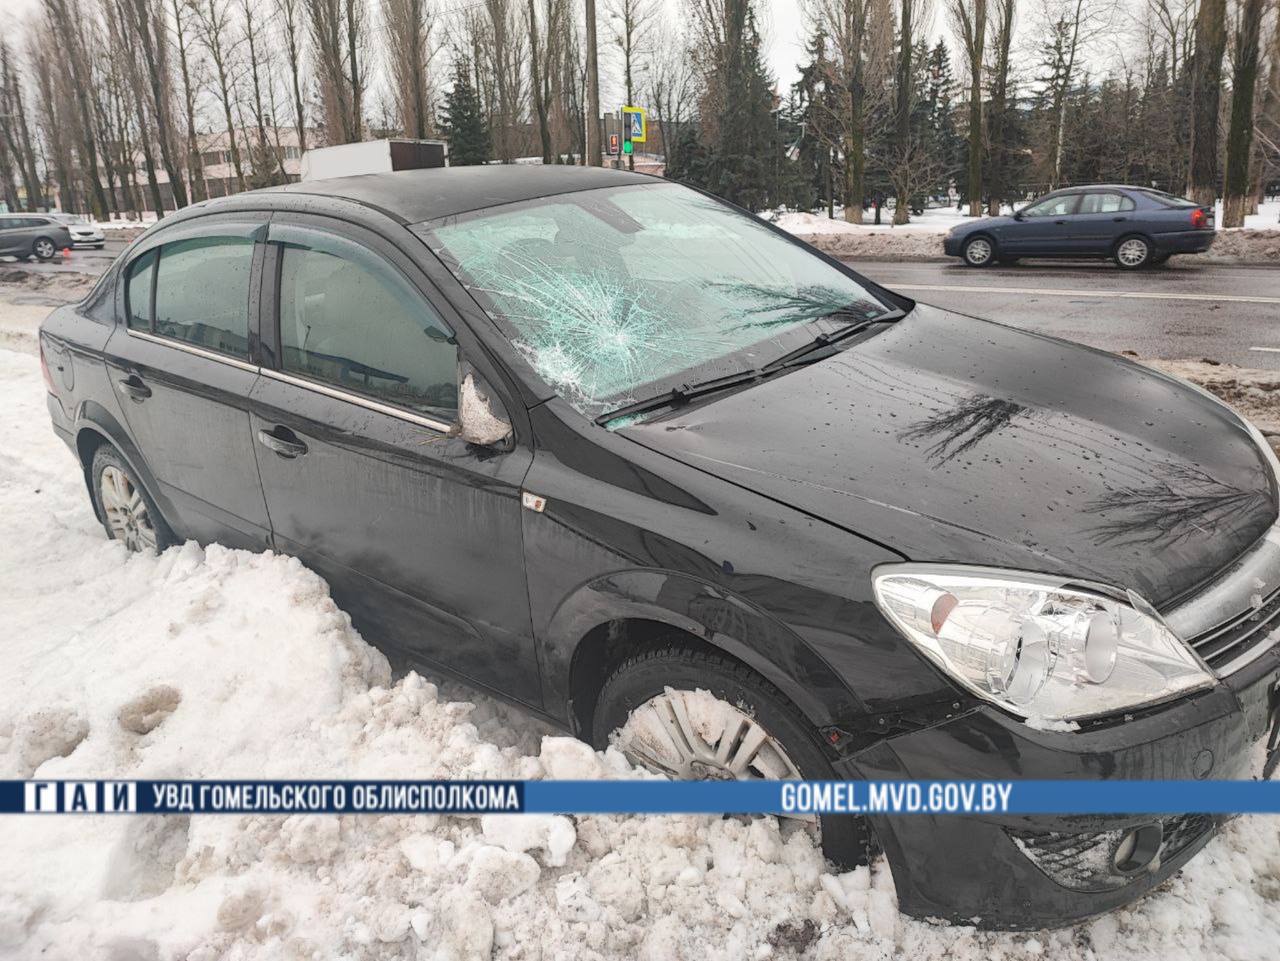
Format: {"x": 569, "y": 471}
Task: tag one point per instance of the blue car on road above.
{"x": 1134, "y": 226}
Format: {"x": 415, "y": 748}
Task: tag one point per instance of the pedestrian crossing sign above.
{"x": 636, "y": 126}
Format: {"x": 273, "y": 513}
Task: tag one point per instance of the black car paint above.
{"x": 1169, "y": 229}
{"x": 751, "y": 521}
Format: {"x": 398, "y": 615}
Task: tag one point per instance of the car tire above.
{"x": 125, "y": 508}
{"x": 656, "y": 683}
{"x": 1133, "y": 252}
{"x": 979, "y": 251}
{"x": 42, "y": 248}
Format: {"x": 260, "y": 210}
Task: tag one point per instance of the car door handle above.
{"x": 1059, "y": 221}
{"x": 133, "y": 388}
{"x": 1119, "y": 220}
{"x": 283, "y": 441}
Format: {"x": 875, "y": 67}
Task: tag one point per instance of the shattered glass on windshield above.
{"x": 616, "y": 295}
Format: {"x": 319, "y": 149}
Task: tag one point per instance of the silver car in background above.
{"x": 32, "y": 235}
{"x": 84, "y": 232}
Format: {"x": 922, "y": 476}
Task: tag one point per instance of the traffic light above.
{"x": 627, "y": 148}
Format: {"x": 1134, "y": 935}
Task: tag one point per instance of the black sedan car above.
{"x": 1134, "y": 226}
{"x": 652, "y": 468}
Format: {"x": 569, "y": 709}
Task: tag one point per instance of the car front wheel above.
{"x": 1133, "y": 253}
{"x": 43, "y": 248}
{"x": 697, "y": 715}
{"x": 126, "y": 511}
{"x": 978, "y": 252}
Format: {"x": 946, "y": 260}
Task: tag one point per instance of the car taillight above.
{"x": 1199, "y": 219}
{"x": 44, "y": 370}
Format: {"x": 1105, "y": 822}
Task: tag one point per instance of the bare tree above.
{"x": 1206, "y": 92}
{"x": 16, "y": 130}
{"x": 1002, "y": 30}
{"x": 409, "y": 26}
{"x": 1070, "y": 25}
{"x": 969, "y": 17}
{"x": 905, "y": 151}
{"x": 539, "y": 82}
{"x": 222, "y": 43}
{"x": 670, "y": 87}
{"x": 633, "y": 22}
{"x": 146, "y": 20}
{"x": 289, "y": 15}
{"x": 338, "y": 37}
{"x": 120, "y": 31}
{"x": 1236, "y": 194}
{"x": 65, "y": 22}
{"x": 593, "y": 89}
{"x": 268, "y": 163}
{"x": 183, "y": 32}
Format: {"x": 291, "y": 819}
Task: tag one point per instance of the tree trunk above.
{"x": 1236, "y": 192}
{"x": 902, "y": 133}
{"x": 536, "y": 78}
{"x": 593, "y": 89}
{"x": 1206, "y": 90}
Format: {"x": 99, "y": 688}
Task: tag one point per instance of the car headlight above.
{"x": 1039, "y": 647}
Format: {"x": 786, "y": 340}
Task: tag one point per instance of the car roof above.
{"x": 412, "y": 196}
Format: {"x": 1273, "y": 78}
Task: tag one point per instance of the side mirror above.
{"x": 478, "y": 423}
{"x": 1017, "y": 215}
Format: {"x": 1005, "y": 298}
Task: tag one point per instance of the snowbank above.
{"x": 223, "y": 663}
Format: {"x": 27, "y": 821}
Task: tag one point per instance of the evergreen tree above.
{"x": 464, "y": 121}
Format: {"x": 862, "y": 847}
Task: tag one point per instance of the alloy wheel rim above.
{"x": 1132, "y": 252}
{"x": 44, "y": 249}
{"x": 978, "y": 251}
{"x": 126, "y": 511}
{"x": 695, "y": 736}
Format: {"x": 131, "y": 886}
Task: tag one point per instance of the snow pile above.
{"x": 223, "y": 663}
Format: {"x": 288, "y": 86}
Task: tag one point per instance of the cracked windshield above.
{"x": 618, "y": 295}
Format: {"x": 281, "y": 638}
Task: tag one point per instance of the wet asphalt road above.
{"x": 1184, "y": 310}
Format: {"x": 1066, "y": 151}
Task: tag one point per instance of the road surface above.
{"x": 1187, "y": 309}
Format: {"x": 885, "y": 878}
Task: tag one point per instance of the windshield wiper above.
{"x": 827, "y": 339}
{"x": 681, "y": 395}
{"x": 687, "y": 392}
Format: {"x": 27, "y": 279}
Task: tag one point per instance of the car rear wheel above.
{"x": 978, "y": 252}
{"x": 696, "y": 715}
{"x": 43, "y": 248}
{"x": 126, "y": 511}
{"x": 1133, "y": 253}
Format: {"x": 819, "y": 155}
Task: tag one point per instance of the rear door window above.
{"x": 1108, "y": 203}
{"x": 349, "y": 320}
{"x": 202, "y": 293}
{"x": 138, "y": 292}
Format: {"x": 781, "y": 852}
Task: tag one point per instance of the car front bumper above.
{"x": 88, "y": 240}
{"x": 951, "y": 245}
{"x": 1037, "y": 871}
{"x": 1185, "y": 241}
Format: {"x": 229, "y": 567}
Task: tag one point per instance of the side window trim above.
{"x": 281, "y": 235}
{"x": 253, "y": 230}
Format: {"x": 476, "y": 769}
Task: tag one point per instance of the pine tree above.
{"x": 464, "y": 121}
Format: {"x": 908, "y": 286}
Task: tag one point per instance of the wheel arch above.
{"x": 610, "y": 618}
{"x": 95, "y": 426}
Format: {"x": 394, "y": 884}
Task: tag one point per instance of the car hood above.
{"x": 947, "y": 438}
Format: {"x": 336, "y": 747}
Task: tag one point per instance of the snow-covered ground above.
{"x": 941, "y": 219}
{"x": 204, "y": 663}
